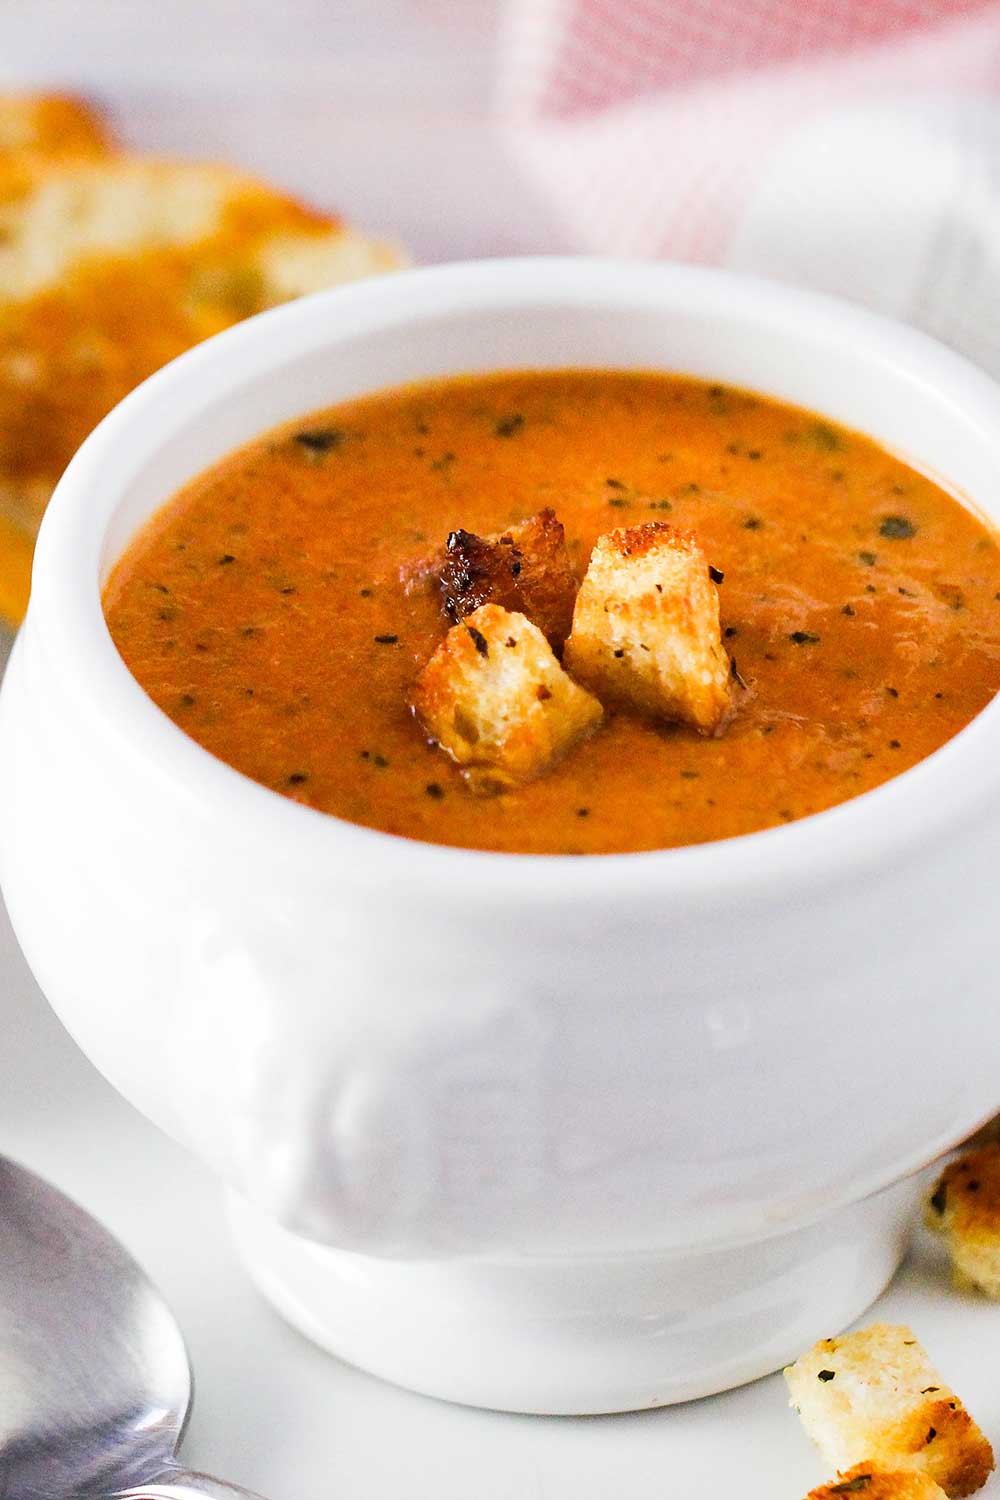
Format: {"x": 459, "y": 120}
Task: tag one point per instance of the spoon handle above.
{"x": 184, "y": 1484}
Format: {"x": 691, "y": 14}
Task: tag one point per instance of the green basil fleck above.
{"x": 897, "y": 528}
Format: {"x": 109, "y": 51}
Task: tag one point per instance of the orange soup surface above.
{"x": 265, "y": 608}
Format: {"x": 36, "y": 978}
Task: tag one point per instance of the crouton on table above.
{"x": 646, "y": 630}
{"x": 526, "y": 569}
{"x": 874, "y": 1483}
{"x": 965, "y": 1208}
{"x": 874, "y": 1397}
{"x": 496, "y": 699}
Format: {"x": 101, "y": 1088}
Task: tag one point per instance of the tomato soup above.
{"x": 267, "y": 611}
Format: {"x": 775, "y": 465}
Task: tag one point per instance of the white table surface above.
{"x": 383, "y": 108}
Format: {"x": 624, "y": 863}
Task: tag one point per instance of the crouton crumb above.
{"x": 871, "y": 1482}
{"x": 497, "y": 701}
{"x": 965, "y": 1208}
{"x": 874, "y": 1397}
{"x": 646, "y": 630}
{"x": 526, "y": 570}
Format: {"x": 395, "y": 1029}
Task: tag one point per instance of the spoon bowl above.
{"x": 95, "y": 1375}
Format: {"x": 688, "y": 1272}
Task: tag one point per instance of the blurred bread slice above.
{"x": 53, "y": 124}
{"x": 109, "y": 267}
{"x": 16, "y": 547}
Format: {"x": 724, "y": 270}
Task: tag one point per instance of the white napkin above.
{"x": 851, "y": 147}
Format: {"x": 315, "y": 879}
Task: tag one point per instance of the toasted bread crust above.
{"x": 646, "y": 632}
{"x": 110, "y": 267}
{"x": 964, "y": 1207}
{"x": 874, "y": 1397}
{"x": 525, "y": 569}
{"x": 34, "y": 128}
{"x": 495, "y": 698}
{"x": 53, "y": 124}
{"x": 870, "y": 1482}
{"x": 988, "y": 1132}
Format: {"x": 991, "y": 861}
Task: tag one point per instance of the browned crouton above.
{"x": 495, "y": 698}
{"x": 965, "y": 1208}
{"x": 873, "y": 1483}
{"x": 874, "y": 1397}
{"x": 526, "y": 569}
{"x": 988, "y": 1132}
{"x": 646, "y": 628}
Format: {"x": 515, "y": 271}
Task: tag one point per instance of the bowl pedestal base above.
{"x": 575, "y": 1336}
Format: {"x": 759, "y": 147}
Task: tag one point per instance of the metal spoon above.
{"x": 94, "y": 1375}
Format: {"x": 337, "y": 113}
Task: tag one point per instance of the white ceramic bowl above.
{"x": 538, "y": 1133}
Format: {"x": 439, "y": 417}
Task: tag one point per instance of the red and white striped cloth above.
{"x": 852, "y": 145}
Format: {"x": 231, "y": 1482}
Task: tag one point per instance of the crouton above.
{"x": 496, "y": 699}
{"x": 526, "y": 569}
{"x": 109, "y": 267}
{"x": 965, "y": 1208}
{"x": 988, "y": 1132}
{"x": 646, "y": 631}
{"x": 874, "y": 1483}
{"x": 874, "y": 1397}
{"x": 54, "y": 124}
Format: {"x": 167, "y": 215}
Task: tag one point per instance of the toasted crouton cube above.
{"x": 874, "y": 1483}
{"x": 874, "y": 1397}
{"x": 646, "y": 628}
{"x": 965, "y": 1208}
{"x": 495, "y": 698}
{"x": 988, "y": 1132}
{"x": 526, "y": 569}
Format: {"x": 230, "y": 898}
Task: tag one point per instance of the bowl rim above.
{"x": 879, "y": 826}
